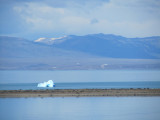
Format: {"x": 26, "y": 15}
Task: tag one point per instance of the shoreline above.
{"x": 78, "y": 93}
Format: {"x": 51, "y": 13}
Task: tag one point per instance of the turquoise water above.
{"x": 83, "y": 108}
{"x": 83, "y": 85}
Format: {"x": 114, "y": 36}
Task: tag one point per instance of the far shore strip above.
{"x": 78, "y": 93}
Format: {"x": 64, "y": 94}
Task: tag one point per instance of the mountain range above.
{"x": 108, "y": 45}
{"x": 93, "y": 51}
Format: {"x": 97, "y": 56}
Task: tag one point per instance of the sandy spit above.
{"x": 78, "y": 93}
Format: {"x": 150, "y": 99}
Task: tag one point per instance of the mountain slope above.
{"x": 107, "y": 45}
{"x": 12, "y": 47}
{"x": 114, "y": 46}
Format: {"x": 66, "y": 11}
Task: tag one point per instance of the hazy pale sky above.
{"x": 55, "y": 18}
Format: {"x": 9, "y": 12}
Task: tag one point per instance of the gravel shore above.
{"x": 78, "y": 93}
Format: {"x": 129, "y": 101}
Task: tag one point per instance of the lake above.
{"x": 79, "y": 76}
{"x": 80, "y": 79}
{"x": 83, "y": 85}
{"x": 82, "y": 108}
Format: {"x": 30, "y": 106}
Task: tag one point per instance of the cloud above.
{"x": 130, "y": 18}
{"x": 94, "y": 21}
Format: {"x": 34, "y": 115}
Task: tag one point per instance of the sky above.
{"x": 33, "y": 19}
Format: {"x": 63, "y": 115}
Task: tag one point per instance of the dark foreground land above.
{"x": 78, "y": 93}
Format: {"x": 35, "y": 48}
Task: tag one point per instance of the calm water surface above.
{"x": 79, "y": 76}
{"x": 83, "y": 85}
{"x": 83, "y": 108}
{"x": 15, "y": 80}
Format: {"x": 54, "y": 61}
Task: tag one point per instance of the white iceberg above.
{"x": 50, "y": 83}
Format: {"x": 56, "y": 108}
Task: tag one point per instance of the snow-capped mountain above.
{"x": 51, "y": 41}
{"x": 95, "y": 51}
{"x": 108, "y": 45}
